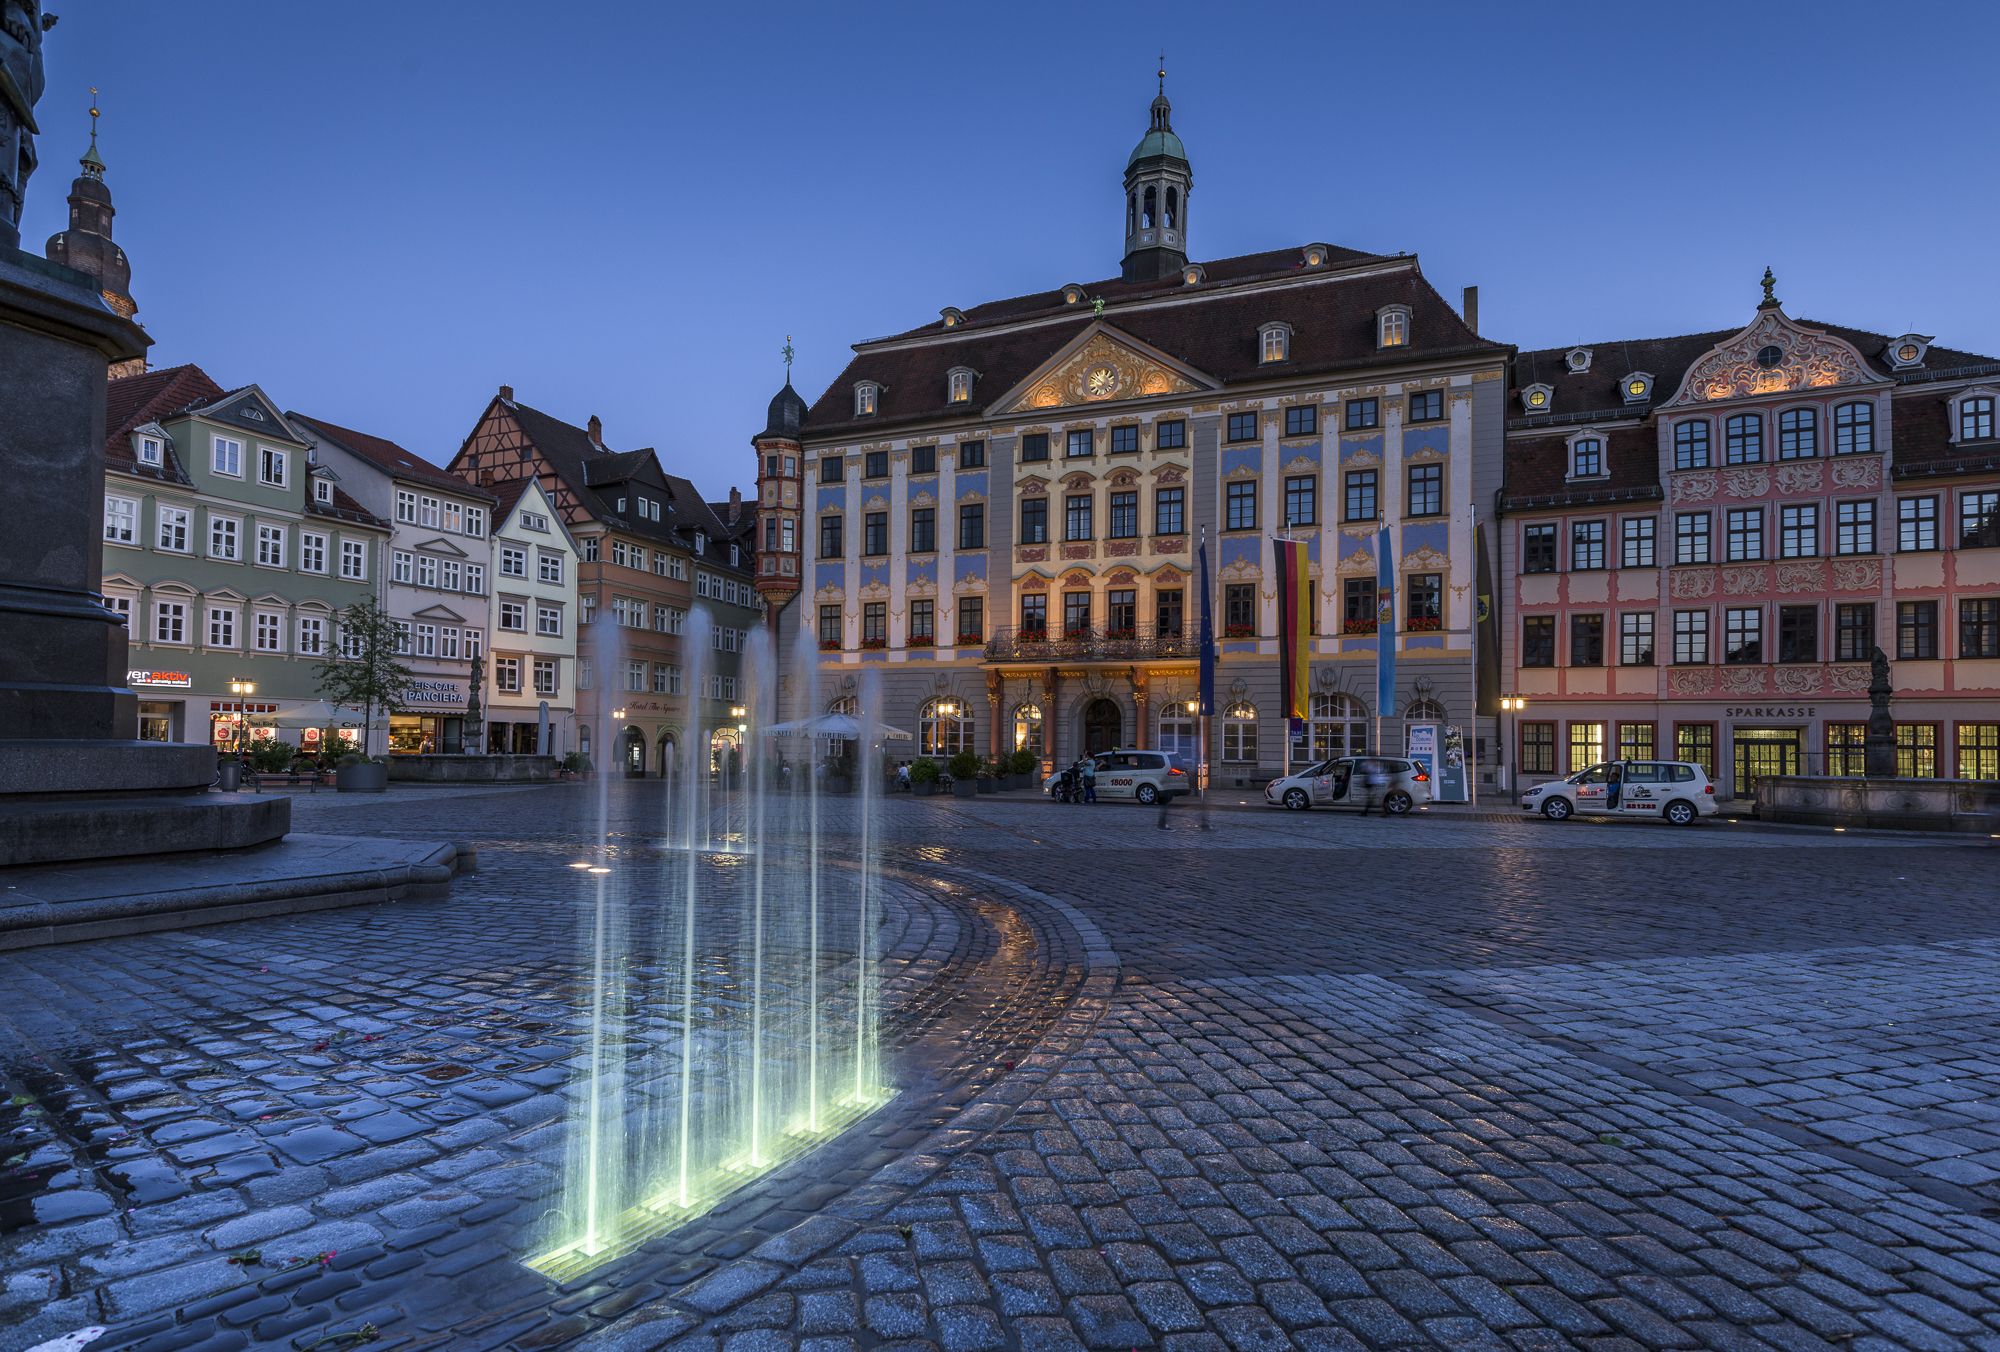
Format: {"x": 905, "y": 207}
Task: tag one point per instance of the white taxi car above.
{"x": 1142, "y": 776}
{"x": 1388, "y": 782}
{"x": 1672, "y": 791}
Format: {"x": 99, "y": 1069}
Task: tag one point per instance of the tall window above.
{"x": 1301, "y": 500}
{"x": 1168, "y": 506}
{"x": 1168, "y": 606}
{"x": 875, "y": 465}
{"x": 1426, "y": 490}
{"x": 971, "y": 620}
{"x": 222, "y": 538}
{"x": 269, "y": 627}
{"x": 221, "y": 627}
{"x": 1339, "y": 728}
{"x": 1743, "y": 635}
{"x": 923, "y": 623}
{"x": 972, "y": 525}
{"x": 1538, "y": 641}
{"x": 1361, "y": 495}
{"x": 1916, "y": 523}
{"x": 1798, "y": 532}
{"x": 1121, "y": 619}
{"x": 1916, "y": 630}
{"x": 1239, "y": 607}
{"x": 1239, "y": 732}
{"x": 1854, "y": 631}
{"x": 169, "y": 622}
{"x": 829, "y": 626}
{"x": 1746, "y": 534}
{"x": 1362, "y": 413}
{"x": 1426, "y": 610}
{"x": 1743, "y": 439}
{"x": 1691, "y": 444}
{"x": 1635, "y": 639}
{"x": 1035, "y": 446}
{"x": 271, "y": 546}
{"x": 1242, "y": 506}
{"x": 1538, "y": 748}
{"x": 1170, "y": 436}
{"x": 1586, "y": 746}
{"x": 1178, "y": 739}
{"x": 830, "y": 546}
{"x": 1853, "y": 429}
{"x": 1854, "y": 527}
{"x": 1028, "y": 727}
{"x": 1586, "y": 546}
{"x": 832, "y": 469}
{"x": 1035, "y": 617}
{"x": 1979, "y": 627}
{"x": 1979, "y": 520}
{"x": 1916, "y": 750}
{"x": 1695, "y": 744}
{"x": 1426, "y": 406}
{"x": 1124, "y": 440}
{"x": 1587, "y": 459}
{"x": 1847, "y": 748}
{"x": 1034, "y": 521}
{"x": 1124, "y": 516}
{"x": 1076, "y": 614}
{"x": 1798, "y": 434}
{"x": 1395, "y": 329}
{"x": 1635, "y": 741}
{"x": 1691, "y": 544}
{"x": 1243, "y": 427}
{"x": 944, "y": 728}
{"x": 971, "y": 454}
{"x": 173, "y": 525}
{"x": 1538, "y": 549}
{"x": 1979, "y": 751}
{"x": 121, "y": 516}
{"x": 875, "y": 533}
{"x": 1301, "y": 420}
{"x": 228, "y": 457}
{"x": 1636, "y": 542}
{"x": 1081, "y": 442}
{"x": 1690, "y": 638}
{"x": 874, "y": 624}
{"x": 1975, "y": 419}
{"x": 923, "y": 530}
{"x": 1076, "y": 517}
{"x": 1362, "y": 614}
{"x": 1798, "y": 633}
{"x": 1586, "y": 640}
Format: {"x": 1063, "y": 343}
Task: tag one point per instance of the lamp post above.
{"x": 1511, "y": 704}
{"x": 241, "y": 689}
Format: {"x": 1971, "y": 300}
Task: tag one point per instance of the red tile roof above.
{"x": 151, "y": 397}
{"x": 391, "y": 457}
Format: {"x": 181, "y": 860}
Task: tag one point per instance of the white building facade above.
{"x": 530, "y": 678}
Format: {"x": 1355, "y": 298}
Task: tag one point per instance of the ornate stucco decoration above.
{"x": 1745, "y": 483}
{"x": 877, "y": 501}
{"x": 1077, "y": 483}
{"x": 1103, "y": 365}
{"x": 1798, "y": 680}
{"x": 969, "y": 586}
{"x": 1426, "y": 559}
{"x": 923, "y": 586}
{"x": 1034, "y": 582}
{"x": 923, "y": 500}
{"x": 1694, "y": 486}
{"x": 1082, "y": 551}
{"x": 1169, "y": 545}
{"x": 874, "y": 591}
{"x": 1801, "y": 577}
{"x": 1689, "y": 584}
{"x": 1300, "y": 464}
{"x": 1853, "y": 679}
{"x": 1122, "y": 578}
{"x": 1120, "y": 548}
{"x": 1742, "y": 581}
{"x": 1686, "y": 682}
{"x": 1240, "y": 570}
{"x": 1361, "y": 459}
{"x": 1356, "y": 564}
{"x": 1798, "y": 476}
{"x": 1808, "y": 359}
{"x": 1032, "y": 554}
{"x": 1124, "y": 478}
{"x": 1742, "y": 680}
{"x": 1170, "y": 474}
{"x": 829, "y": 593}
{"x": 1861, "y": 471}
{"x": 1076, "y": 579}
{"x": 1033, "y": 488}
{"x": 1857, "y": 574}
{"x": 1168, "y": 576}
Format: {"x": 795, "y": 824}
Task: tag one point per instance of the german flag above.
{"x": 1294, "y": 622}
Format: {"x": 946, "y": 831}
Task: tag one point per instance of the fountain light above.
{"x": 594, "y": 868}
{"x": 579, "y": 865}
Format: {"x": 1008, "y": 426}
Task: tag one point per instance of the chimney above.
{"x": 1472, "y": 308}
{"x": 486, "y": 478}
{"x": 507, "y": 393}
{"x": 596, "y": 430}
{"x": 735, "y": 504}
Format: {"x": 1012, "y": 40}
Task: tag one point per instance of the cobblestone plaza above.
{"x": 1297, "y": 1080}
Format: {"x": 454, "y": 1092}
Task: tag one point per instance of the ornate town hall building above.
{"x": 999, "y": 510}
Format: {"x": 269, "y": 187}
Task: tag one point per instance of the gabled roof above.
{"x": 151, "y": 397}
{"x": 585, "y": 466}
{"x": 252, "y": 411}
{"x": 389, "y": 456}
{"x": 616, "y": 467}
{"x": 1211, "y": 328}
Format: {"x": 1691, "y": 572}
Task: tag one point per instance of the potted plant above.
{"x": 964, "y": 768}
{"x": 923, "y": 777}
{"x": 829, "y": 645}
{"x": 921, "y": 641}
{"x": 1360, "y": 626}
{"x": 1239, "y": 631}
{"x": 1025, "y": 765}
{"x": 576, "y": 763}
{"x": 359, "y": 774}
{"x": 988, "y": 779}
{"x": 1423, "y": 624}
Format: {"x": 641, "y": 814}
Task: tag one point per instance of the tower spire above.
{"x": 1157, "y": 183}
{"x": 93, "y": 167}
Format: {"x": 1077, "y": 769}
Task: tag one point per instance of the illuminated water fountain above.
{"x": 728, "y": 985}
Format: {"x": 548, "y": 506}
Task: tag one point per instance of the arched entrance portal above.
{"x": 633, "y": 749}
{"x": 1103, "y": 726}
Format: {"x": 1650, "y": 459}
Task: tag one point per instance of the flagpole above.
{"x": 1205, "y": 700}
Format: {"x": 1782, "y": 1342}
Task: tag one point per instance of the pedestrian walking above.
{"x": 1090, "y": 781}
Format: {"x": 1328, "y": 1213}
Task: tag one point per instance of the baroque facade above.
{"x": 999, "y": 512}
{"x": 1705, "y": 538}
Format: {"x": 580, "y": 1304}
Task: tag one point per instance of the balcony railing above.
{"x": 1095, "y": 644}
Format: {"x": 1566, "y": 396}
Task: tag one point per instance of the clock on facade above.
{"x": 1100, "y": 381}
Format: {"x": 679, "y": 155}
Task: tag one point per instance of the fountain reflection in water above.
{"x": 727, "y": 983}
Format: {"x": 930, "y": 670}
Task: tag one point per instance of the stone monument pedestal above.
{"x": 1968, "y": 805}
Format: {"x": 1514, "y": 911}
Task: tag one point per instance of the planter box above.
{"x": 924, "y": 788}
{"x": 985, "y": 784}
{"x": 463, "y": 769}
{"x": 964, "y": 788}
{"x": 1013, "y": 782}
{"x": 369, "y": 778}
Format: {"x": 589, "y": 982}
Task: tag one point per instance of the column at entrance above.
{"x": 995, "y": 687}
{"x": 1050, "y": 678}
{"x": 1141, "y": 695}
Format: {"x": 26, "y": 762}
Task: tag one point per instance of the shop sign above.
{"x": 1773, "y": 711}
{"x": 178, "y": 679}
{"x": 433, "y": 692}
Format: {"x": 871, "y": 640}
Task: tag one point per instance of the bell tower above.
{"x": 1157, "y": 182}
{"x": 87, "y": 245}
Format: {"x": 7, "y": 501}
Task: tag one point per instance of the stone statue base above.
{"x": 1962, "y": 805}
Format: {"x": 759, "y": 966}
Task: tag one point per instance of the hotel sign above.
{"x": 178, "y": 679}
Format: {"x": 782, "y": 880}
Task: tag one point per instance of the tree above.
{"x": 362, "y": 670}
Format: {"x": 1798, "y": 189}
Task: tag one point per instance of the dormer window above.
{"x": 1392, "y": 326}
{"x": 1907, "y": 352}
{"x": 1072, "y": 294}
{"x": 322, "y": 490}
{"x": 700, "y": 542}
{"x": 1538, "y": 398}
{"x": 1316, "y": 255}
{"x": 1974, "y": 416}
{"x": 1637, "y": 388}
{"x": 1274, "y": 342}
{"x": 1577, "y": 359}
{"x": 1193, "y": 275}
{"x": 952, "y": 316}
{"x": 865, "y": 392}
{"x": 149, "y": 451}
{"x": 1586, "y": 458}
{"x": 960, "y": 384}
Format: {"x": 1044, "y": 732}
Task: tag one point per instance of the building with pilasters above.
{"x": 999, "y": 511}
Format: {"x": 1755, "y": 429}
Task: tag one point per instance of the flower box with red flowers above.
{"x": 1118, "y": 635}
{"x": 1420, "y": 624}
{"x": 971, "y": 640}
{"x": 874, "y": 642}
{"x": 1034, "y": 636}
{"x": 1076, "y": 636}
{"x": 1359, "y": 627}
{"x": 921, "y": 641}
{"x": 829, "y": 645}
{"x": 1239, "y": 631}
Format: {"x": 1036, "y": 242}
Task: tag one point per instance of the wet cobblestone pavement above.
{"x": 1491, "y": 1084}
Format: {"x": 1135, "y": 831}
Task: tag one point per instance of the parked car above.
{"x": 1674, "y": 791}
{"x": 1143, "y": 776}
{"x": 1388, "y": 782}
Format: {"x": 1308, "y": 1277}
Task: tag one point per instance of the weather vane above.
{"x": 1163, "y": 72}
{"x": 93, "y": 117}
{"x": 787, "y": 350}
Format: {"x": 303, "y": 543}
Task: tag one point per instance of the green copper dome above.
{"x": 1157, "y": 143}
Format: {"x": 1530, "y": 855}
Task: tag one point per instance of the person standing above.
{"x": 1090, "y": 781}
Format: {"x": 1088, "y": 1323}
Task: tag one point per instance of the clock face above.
{"x": 1100, "y": 381}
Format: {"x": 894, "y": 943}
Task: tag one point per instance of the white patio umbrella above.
{"x": 840, "y": 727}
{"x": 318, "y": 714}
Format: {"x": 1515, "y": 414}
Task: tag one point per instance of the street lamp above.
{"x": 240, "y": 689}
{"x": 1512, "y": 704}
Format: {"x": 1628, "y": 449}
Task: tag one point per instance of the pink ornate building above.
{"x": 1704, "y": 538}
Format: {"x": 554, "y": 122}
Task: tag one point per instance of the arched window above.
{"x": 1173, "y": 207}
{"x": 1853, "y": 429}
{"x": 1028, "y": 727}
{"x": 944, "y": 728}
{"x": 1178, "y": 736}
{"x": 1239, "y": 732}
{"x": 1131, "y": 212}
{"x": 1743, "y": 440}
{"x": 1798, "y": 433}
{"x": 1147, "y": 212}
{"x": 1339, "y": 728}
{"x": 836, "y": 747}
{"x": 1424, "y": 711}
{"x": 583, "y": 739}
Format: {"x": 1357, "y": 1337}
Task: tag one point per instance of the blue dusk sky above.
{"x": 381, "y": 213}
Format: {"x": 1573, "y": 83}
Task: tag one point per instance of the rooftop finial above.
{"x": 93, "y": 167}
{"x": 787, "y": 351}
{"x": 1770, "y": 300}
{"x": 1163, "y": 73}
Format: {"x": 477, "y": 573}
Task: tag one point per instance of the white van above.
{"x": 1674, "y": 791}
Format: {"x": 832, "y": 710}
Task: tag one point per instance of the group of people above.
{"x": 1078, "y": 783}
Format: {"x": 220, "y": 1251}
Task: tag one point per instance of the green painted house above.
{"x": 229, "y": 553}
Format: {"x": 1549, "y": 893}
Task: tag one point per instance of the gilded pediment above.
{"x": 1101, "y": 365}
{"x": 1775, "y": 355}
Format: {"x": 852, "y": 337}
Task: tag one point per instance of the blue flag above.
{"x": 1385, "y": 626}
{"x": 1207, "y": 633}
